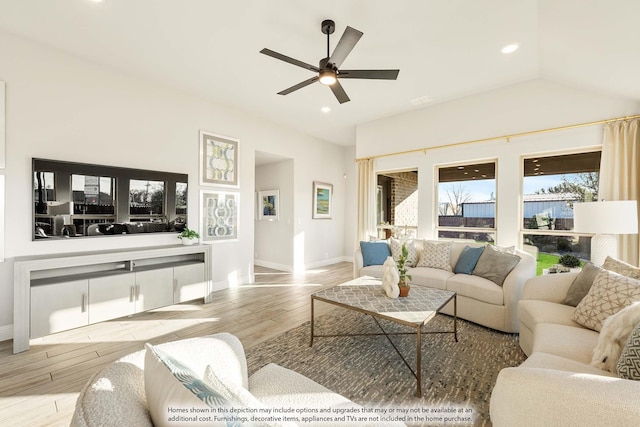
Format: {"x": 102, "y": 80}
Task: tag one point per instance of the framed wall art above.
{"x": 322, "y": 195}
{"x": 218, "y": 160}
{"x": 219, "y": 215}
{"x": 269, "y": 205}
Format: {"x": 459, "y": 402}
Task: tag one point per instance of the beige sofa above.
{"x": 479, "y": 300}
{"x": 556, "y": 386}
{"x": 116, "y": 396}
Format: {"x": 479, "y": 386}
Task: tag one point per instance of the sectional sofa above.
{"x": 480, "y": 299}
{"x": 557, "y": 385}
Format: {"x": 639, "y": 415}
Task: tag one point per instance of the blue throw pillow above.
{"x": 468, "y": 260}
{"x": 374, "y": 253}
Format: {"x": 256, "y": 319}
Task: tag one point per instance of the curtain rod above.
{"x": 506, "y": 137}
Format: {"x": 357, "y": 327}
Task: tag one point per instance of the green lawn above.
{"x": 545, "y": 261}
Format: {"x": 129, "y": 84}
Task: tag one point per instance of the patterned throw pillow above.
{"x": 168, "y": 383}
{"x": 629, "y": 363}
{"x": 610, "y": 293}
{"x": 621, "y": 267}
{"x": 396, "y": 250}
{"x": 436, "y": 255}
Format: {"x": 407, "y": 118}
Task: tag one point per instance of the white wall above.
{"x": 524, "y": 107}
{"x": 274, "y": 239}
{"x": 62, "y": 107}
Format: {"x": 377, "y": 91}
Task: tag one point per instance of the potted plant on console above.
{"x": 188, "y": 236}
{"x": 402, "y": 271}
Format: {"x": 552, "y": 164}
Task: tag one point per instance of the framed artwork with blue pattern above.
{"x": 219, "y": 215}
{"x": 218, "y": 160}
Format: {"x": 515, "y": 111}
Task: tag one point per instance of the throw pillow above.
{"x": 374, "y": 253}
{"x": 629, "y": 363}
{"x": 468, "y": 259}
{"x": 436, "y": 255}
{"x": 610, "y": 293}
{"x": 495, "y": 265}
{"x": 581, "y": 284}
{"x": 172, "y": 388}
{"x": 396, "y": 250}
{"x": 237, "y": 395}
{"x": 621, "y": 267}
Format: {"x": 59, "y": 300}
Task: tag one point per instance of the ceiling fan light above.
{"x": 327, "y": 77}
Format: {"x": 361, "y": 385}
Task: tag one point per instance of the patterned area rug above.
{"x": 457, "y": 377}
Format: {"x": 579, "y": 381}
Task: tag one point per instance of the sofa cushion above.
{"x": 169, "y": 383}
{"x": 495, "y": 265}
{"x": 373, "y": 271}
{"x": 581, "y": 284}
{"x": 467, "y": 260}
{"x": 610, "y": 293}
{"x": 575, "y": 343}
{"x": 374, "y": 253}
{"x": 432, "y": 277}
{"x": 629, "y": 363}
{"x": 436, "y": 254}
{"x": 476, "y": 288}
{"x": 621, "y": 267}
{"x": 531, "y": 312}
{"x": 542, "y": 360}
{"x": 396, "y": 251}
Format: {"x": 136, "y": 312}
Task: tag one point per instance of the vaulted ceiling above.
{"x": 444, "y": 49}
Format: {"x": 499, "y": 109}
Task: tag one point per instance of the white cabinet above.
{"x": 58, "y": 306}
{"x": 189, "y": 282}
{"x": 111, "y": 297}
{"x": 62, "y": 291}
{"x": 154, "y": 288}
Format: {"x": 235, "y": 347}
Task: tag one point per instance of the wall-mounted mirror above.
{"x": 72, "y": 200}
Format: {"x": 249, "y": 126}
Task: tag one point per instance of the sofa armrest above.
{"x": 512, "y": 288}
{"x": 546, "y": 397}
{"x": 550, "y": 287}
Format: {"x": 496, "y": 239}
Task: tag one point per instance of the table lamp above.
{"x": 605, "y": 220}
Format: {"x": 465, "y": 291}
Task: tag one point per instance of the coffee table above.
{"x": 365, "y": 295}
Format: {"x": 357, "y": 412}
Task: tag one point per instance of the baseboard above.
{"x": 273, "y": 265}
{"x": 225, "y": 284}
{"x": 325, "y": 262}
{"x": 6, "y": 332}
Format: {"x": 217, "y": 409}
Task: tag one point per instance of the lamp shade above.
{"x": 615, "y": 217}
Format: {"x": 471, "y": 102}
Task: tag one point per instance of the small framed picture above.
{"x": 322, "y": 195}
{"x": 219, "y": 215}
{"x": 218, "y": 160}
{"x": 269, "y": 205}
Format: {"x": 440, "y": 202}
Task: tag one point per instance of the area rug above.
{"x": 457, "y": 377}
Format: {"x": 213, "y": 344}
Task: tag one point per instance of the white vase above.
{"x": 390, "y": 278}
{"x": 187, "y": 242}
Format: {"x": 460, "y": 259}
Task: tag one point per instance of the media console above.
{"x": 57, "y": 292}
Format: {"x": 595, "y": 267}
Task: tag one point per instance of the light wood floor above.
{"x": 39, "y": 387}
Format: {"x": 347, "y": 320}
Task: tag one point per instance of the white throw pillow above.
{"x": 610, "y": 293}
{"x": 436, "y": 254}
{"x": 172, "y": 389}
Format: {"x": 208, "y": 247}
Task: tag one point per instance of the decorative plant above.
{"x": 569, "y": 260}
{"x": 402, "y": 267}
{"x": 187, "y": 233}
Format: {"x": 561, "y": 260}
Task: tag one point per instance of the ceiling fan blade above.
{"x": 299, "y": 86}
{"x": 348, "y": 40}
{"x": 285, "y": 58}
{"x": 339, "y": 92}
{"x": 369, "y": 74}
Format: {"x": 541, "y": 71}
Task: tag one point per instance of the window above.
{"x": 181, "y": 199}
{"x": 146, "y": 199}
{"x": 93, "y": 194}
{"x": 43, "y": 190}
{"x": 467, "y": 202}
{"x": 551, "y": 185}
{"x": 397, "y": 204}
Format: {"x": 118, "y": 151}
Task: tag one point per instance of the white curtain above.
{"x": 620, "y": 175}
{"x": 366, "y": 200}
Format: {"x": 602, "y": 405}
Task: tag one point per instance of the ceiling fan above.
{"x": 328, "y": 70}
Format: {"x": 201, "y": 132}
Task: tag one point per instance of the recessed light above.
{"x": 460, "y": 167}
{"x": 510, "y": 48}
{"x": 97, "y": 1}
{"x": 325, "y": 109}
